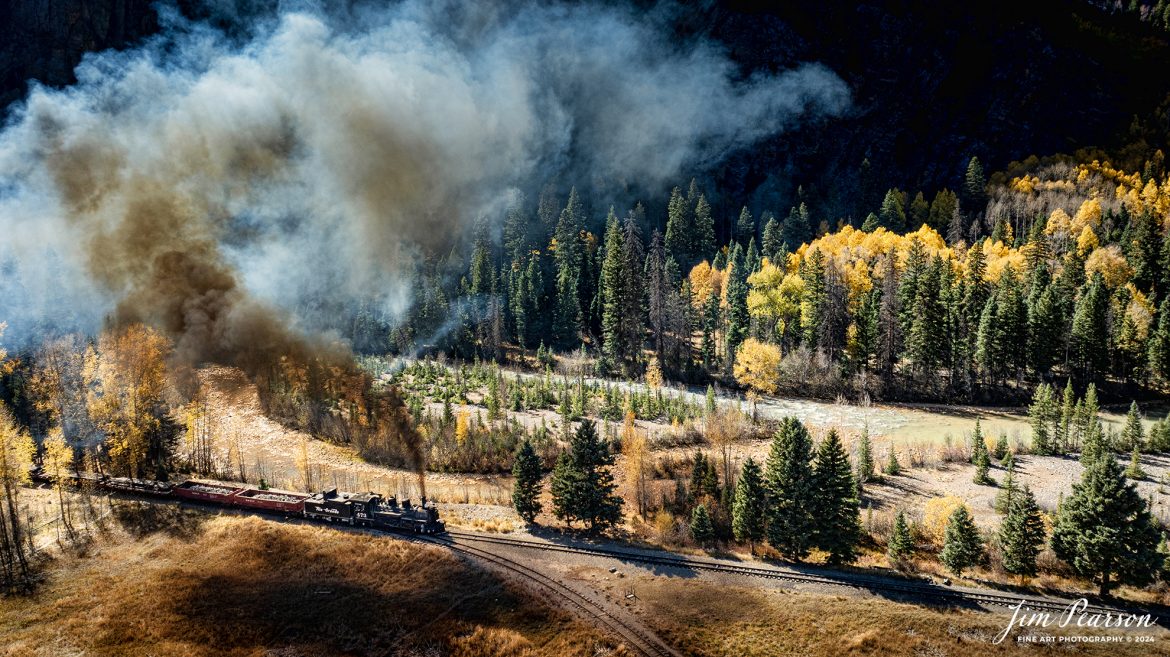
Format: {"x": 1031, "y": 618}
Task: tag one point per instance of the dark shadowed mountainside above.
{"x": 933, "y": 83}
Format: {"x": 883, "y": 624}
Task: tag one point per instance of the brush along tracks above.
{"x": 917, "y": 591}
{"x": 635, "y": 638}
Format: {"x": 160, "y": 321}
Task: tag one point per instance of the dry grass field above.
{"x": 172, "y": 583}
{"x": 709, "y": 620}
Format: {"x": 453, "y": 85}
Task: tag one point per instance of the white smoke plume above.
{"x": 225, "y": 188}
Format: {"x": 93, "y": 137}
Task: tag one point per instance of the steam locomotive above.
{"x": 332, "y": 506}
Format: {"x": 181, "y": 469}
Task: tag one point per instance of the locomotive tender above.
{"x": 355, "y": 509}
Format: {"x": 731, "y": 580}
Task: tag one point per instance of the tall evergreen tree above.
{"x": 925, "y": 341}
{"x": 979, "y": 456}
{"x": 570, "y": 257}
{"x": 613, "y": 277}
{"x": 772, "y": 239}
{"x": 1089, "y": 336}
{"x": 1104, "y": 530}
{"x": 704, "y": 226}
{"x": 974, "y": 199}
{"x": 865, "y": 466}
{"x": 901, "y": 546}
{"x": 788, "y": 480}
{"x": 1158, "y": 346}
{"x": 747, "y": 513}
{"x": 745, "y": 226}
{"x": 943, "y": 210}
{"x": 679, "y": 229}
{"x": 737, "y": 308}
{"x": 919, "y": 212}
{"x": 582, "y": 485}
{"x": 892, "y": 215}
{"x": 797, "y": 229}
{"x": 962, "y": 544}
{"x": 1043, "y": 416}
{"x": 702, "y": 531}
{"x": 1022, "y": 534}
{"x": 526, "y": 489}
{"x": 1046, "y": 331}
{"x": 1132, "y": 436}
{"x": 838, "y": 528}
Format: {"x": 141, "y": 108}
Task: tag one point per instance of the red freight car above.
{"x": 206, "y": 491}
{"x": 271, "y": 500}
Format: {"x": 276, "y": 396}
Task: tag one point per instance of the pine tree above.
{"x": 772, "y": 237}
{"x": 1042, "y": 414}
{"x": 1135, "y": 471}
{"x": 1062, "y": 440}
{"x": 838, "y": 528}
{"x": 901, "y": 546}
{"x": 979, "y": 456}
{"x": 1131, "y": 434}
{"x": 747, "y": 513}
{"x": 613, "y": 277}
{"x": 737, "y": 309}
{"x": 1089, "y": 336}
{"x": 797, "y": 229}
{"x": 1001, "y": 448}
{"x": 679, "y": 229}
{"x": 1003, "y": 499}
{"x": 788, "y": 481}
{"x": 865, "y": 466}
{"x": 892, "y": 215}
{"x": 943, "y": 209}
{"x": 1158, "y": 346}
{"x": 632, "y": 295}
{"x": 962, "y": 545}
{"x": 974, "y": 198}
{"x": 1104, "y": 530}
{"x": 702, "y": 530}
{"x": 745, "y": 226}
{"x": 583, "y": 486}
{"x": 570, "y": 259}
{"x": 704, "y": 237}
{"x": 566, "y": 487}
{"x": 919, "y": 213}
{"x": 1022, "y": 534}
{"x": 925, "y": 341}
{"x": 893, "y": 468}
{"x": 526, "y": 489}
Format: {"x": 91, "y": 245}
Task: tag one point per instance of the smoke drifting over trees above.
{"x": 228, "y": 189}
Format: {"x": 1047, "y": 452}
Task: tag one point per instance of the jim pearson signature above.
{"x": 1075, "y": 616}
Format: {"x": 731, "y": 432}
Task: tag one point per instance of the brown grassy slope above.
{"x": 706, "y": 620}
{"x": 245, "y": 586}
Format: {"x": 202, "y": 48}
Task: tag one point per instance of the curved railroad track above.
{"x": 847, "y": 580}
{"x": 634, "y": 637}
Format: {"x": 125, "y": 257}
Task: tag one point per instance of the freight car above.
{"x": 359, "y": 509}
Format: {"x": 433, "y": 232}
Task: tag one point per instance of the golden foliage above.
{"x": 774, "y": 294}
{"x": 16, "y": 450}
{"x": 462, "y": 426}
{"x": 1087, "y": 240}
{"x": 757, "y": 366}
{"x": 127, "y": 380}
{"x": 935, "y": 515}
{"x": 653, "y": 373}
{"x": 1111, "y": 264}
{"x": 705, "y": 281}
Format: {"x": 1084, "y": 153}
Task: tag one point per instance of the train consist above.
{"x": 333, "y": 506}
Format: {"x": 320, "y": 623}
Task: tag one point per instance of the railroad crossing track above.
{"x": 634, "y": 637}
{"x": 847, "y": 580}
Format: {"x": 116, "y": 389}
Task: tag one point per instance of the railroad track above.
{"x": 847, "y": 580}
{"x": 635, "y": 638}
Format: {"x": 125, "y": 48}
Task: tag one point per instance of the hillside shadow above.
{"x": 141, "y": 519}
{"x": 291, "y": 593}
